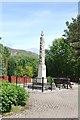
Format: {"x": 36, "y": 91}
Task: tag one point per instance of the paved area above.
{"x": 56, "y": 104}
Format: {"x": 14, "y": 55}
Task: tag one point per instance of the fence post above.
{"x": 79, "y": 81}
{"x": 24, "y": 82}
{"x": 2, "y": 77}
{"x": 32, "y": 84}
{"x": 16, "y": 80}
{"x": 51, "y": 85}
{"x": 9, "y": 78}
{"x": 42, "y": 83}
{"x": 67, "y": 83}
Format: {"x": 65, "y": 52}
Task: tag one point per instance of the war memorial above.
{"x": 41, "y": 82}
{"x": 42, "y": 66}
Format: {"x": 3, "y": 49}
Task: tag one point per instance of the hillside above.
{"x": 18, "y": 52}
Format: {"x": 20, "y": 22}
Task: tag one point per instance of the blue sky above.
{"x": 22, "y": 22}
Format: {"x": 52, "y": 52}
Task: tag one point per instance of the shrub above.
{"x": 11, "y": 95}
{"x": 21, "y": 95}
{"x": 50, "y": 79}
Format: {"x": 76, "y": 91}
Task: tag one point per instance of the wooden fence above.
{"x": 16, "y": 78}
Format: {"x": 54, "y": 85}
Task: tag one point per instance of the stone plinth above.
{"x": 42, "y": 73}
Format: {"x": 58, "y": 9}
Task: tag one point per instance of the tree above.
{"x": 34, "y": 64}
{"x": 28, "y": 61}
{"x": 1, "y": 60}
{"x": 72, "y": 36}
{"x": 58, "y": 59}
{"x": 20, "y": 71}
{"x": 4, "y": 55}
{"x": 29, "y": 71}
{"x": 12, "y": 66}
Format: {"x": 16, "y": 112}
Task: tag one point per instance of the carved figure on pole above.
{"x": 42, "y": 66}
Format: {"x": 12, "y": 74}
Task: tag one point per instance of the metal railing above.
{"x": 39, "y": 85}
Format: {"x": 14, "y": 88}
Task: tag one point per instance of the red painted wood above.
{"x": 19, "y": 79}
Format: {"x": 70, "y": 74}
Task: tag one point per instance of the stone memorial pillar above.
{"x": 42, "y": 66}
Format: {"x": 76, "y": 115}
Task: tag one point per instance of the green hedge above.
{"x": 11, "y": 95}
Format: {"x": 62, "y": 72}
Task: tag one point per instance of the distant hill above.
{"x": 18, "y": 52}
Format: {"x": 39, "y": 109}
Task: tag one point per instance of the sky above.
{"x": 22, "y": 22}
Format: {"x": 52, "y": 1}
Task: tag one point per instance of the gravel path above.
{"x": 56, "y": 104}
